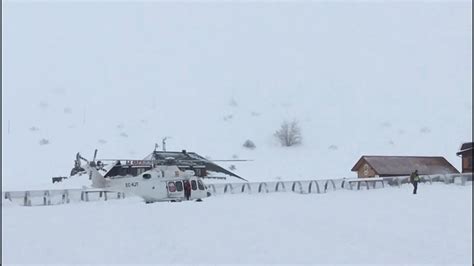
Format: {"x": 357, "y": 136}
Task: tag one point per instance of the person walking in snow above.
{"x": 187, "y": 189}
{"x": 414, "y": 179}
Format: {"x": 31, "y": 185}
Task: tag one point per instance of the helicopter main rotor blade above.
{"x": 236, "y": 160}
{"x": 95, "y": 155}
{"x": 80, "y": 157}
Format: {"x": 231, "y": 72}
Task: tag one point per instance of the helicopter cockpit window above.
{"x": 193, "y": 184}
{"x": 179, "y": 186}
{"x": 124, "y": 171}
{"x": 200, "y": 185}
{"x": 146, "y": 176}
{"x": 171, "y": 187}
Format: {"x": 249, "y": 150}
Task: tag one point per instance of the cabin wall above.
{"x": 365, "y": 171}
{"x": 467, "y": 162}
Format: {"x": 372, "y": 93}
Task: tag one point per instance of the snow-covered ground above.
{"x": 361, "y": 78}
{"x": 357, "y": 227}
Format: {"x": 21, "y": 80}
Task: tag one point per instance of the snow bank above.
{"x": 374, "y": 226}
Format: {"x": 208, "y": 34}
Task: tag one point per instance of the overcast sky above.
{"x": 399, "y": 52}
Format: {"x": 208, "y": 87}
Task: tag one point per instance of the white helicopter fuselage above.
{"x": 161, "y": 183}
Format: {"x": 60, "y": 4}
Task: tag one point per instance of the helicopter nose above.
{"x": 208, "y": 194}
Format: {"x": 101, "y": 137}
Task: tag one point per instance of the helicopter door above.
{"x": 175, "y": 189}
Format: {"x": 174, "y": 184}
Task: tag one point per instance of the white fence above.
{"x": 316, "y": 186}
{"x": 325, "y": 185}
{"x": 54, "y": 197}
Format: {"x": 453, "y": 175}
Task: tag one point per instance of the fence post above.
{"x": 26, "y": 199}
{"x": 46, "y": 198}
{"x": 65, "y": 196}
{"x": 231, "y": 188}
{"x": 398, "y": 181}
{"x": 246, "y": 185}
{"x": 310, "y": 186}
{"x": 278, "y": 185}
{"x": 429, "y": 179}
{"x": 105, "y": 195}
{"x": 446, "y": 179}
{"x": 326, "y": 185}
{"x": 299, "y": 185}
{"x": 213, "y": 188}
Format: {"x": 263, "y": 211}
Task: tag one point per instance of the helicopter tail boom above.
{"x": 98, "y": 180}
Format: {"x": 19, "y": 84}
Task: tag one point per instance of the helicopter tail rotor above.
{"x": 93, "y": 164}
{"x": 98, "y": 180}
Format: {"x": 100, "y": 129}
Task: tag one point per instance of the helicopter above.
{"x": 160, "y": 176}
{"x": 154, "y": 181}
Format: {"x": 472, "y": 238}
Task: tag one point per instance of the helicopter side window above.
{"x": 193, "y": 184}
{"x": 171, "y": 187}
{"x": 200, "y": 185}
{"x": 179, "y": 186}
{"x": 124, "y": 171}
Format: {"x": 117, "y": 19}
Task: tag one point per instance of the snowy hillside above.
{"x": 382, "y": 79}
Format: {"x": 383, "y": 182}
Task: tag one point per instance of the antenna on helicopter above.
{"x": 156, "y": 146}
{"x": 163, "y": 142}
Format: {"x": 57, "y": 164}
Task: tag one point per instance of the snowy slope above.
{"x": 358, "y": 227}
{"x": 388, "y": 79}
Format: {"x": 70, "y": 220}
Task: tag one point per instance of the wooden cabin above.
{"x": 386, "y": 166}
{"x": 466, "y": 154}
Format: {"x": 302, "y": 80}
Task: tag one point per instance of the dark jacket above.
{"x": 414, "y": 177}
{"x": 187, "y": 187}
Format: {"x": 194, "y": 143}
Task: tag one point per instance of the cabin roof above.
{"x": 464, "y": 148}
{"x": 405, "y": 165}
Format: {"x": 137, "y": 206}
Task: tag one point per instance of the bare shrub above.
{"x": 289, "y": 133}
{"x": 255, "y": 114}
{"x": 386, "y": 124}
{"x": 43, "y": 104}
{"x": 44, "y": 142}
{"x": 228, "y": 117}
{"x": 249, "y": 144}
{"x": 333, "y": 147}
{"x": 33, "y": 128}
{"x": 425, "y": 130}
{"x": 232, "y": 167}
